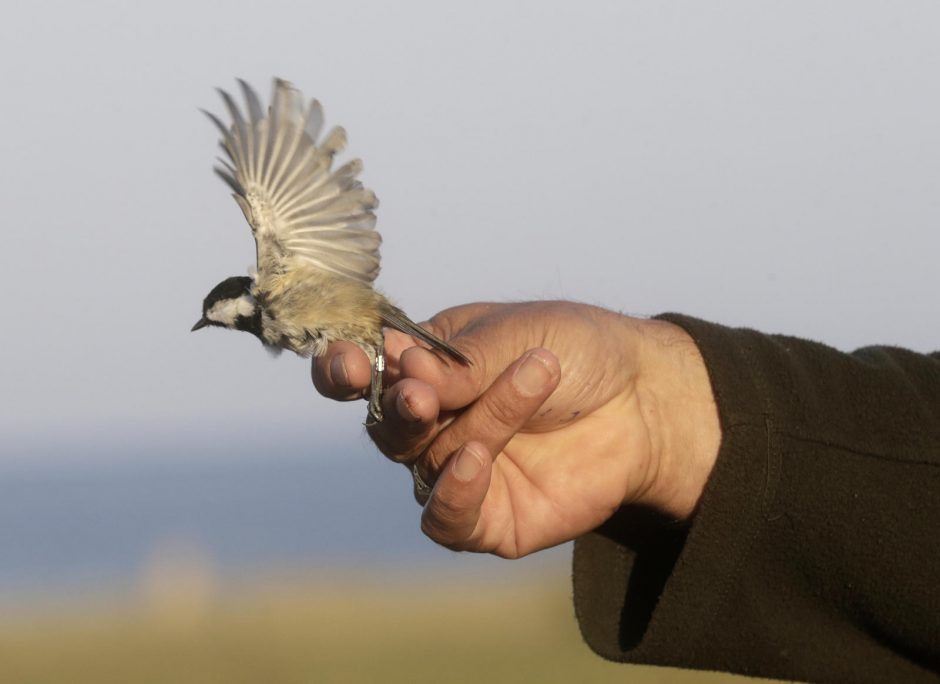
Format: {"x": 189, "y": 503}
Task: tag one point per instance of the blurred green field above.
{"x": 331, "y": 629}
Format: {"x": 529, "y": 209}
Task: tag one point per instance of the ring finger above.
{"x": 411, "y": 410}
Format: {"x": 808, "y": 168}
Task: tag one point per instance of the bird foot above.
{"x": 374, "y": 415}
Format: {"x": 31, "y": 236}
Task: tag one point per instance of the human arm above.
{"x": 812, "y": 553}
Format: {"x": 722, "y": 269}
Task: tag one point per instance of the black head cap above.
{"x": 231, "y": 290}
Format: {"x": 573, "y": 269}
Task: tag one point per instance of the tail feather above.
{"x": 394, "y": 317}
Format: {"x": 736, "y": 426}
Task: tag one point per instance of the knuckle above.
{"x": 477, "y": 373}
{"x": 384, "y": 443}
{"x": 434, "y": 530}
{"x": 437, "y": 453}
{"x": 446, "y": 510}
{"x": 429, "y": 527}
{"x": 500, "y": 410}
{"x": 400, "y": 441}
{"x": 441, "y": 521}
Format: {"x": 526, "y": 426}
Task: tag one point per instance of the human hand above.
{"x": 568, "y": 413}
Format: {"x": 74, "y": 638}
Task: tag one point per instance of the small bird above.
{"x": 317, "y": 248}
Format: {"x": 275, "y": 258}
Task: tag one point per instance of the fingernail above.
{"x": 404, "y": 408}
{"x": 338, "y": 371}
{"x": 467, "y": 464}
{"x": 532, "y": 376}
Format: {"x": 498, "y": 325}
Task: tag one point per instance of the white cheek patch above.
{"x": 227, "y": 310}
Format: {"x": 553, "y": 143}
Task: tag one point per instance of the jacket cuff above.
{"x": 638, "y": 580}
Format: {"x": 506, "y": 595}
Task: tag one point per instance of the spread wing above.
{"x": 297, "y": 205}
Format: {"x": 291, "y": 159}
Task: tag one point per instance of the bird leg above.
{"x": 375, "y": 397}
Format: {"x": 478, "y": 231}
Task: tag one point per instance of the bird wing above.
{"x": 297, "y": 205}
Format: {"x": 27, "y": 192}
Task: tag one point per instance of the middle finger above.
{"x": 411, "y": 412}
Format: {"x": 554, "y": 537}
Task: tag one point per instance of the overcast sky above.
{"x": 774, "y": 165}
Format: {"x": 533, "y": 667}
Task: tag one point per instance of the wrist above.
{"x": 677, "y": 406}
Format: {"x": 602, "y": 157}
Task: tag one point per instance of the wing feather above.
{"x": 237, "y": 137}
{"x": 313, "y": 121}
{"x": 255, "y": 111}
{"x": 229, "y": 178}
{"x": 298, "y": 207}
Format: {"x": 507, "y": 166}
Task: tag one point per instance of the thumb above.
{"x": 452, "y": 515}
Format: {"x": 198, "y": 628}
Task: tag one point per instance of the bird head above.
{"x": 231, "y": 305}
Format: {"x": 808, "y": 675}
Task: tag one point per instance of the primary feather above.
{"x": 301, "y": 211}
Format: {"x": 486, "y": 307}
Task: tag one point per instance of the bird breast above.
{"x": 306, "y": 309}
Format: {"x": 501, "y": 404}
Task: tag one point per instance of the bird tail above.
{"x": 394, "y": 317}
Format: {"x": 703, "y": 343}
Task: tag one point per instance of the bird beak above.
{"x": 201, "y": 323}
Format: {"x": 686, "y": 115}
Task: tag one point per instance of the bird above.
{"x": 317, "y": 250}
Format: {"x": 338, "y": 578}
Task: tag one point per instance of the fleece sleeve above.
{"x": 815, "y": 551}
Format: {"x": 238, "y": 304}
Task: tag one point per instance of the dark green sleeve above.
{"x": 815, "y": 552}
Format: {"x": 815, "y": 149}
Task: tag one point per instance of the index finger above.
{"x": 499, "y": 413}
{"x": 343, "y": 373}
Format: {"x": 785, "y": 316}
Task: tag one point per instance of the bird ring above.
{"x": 422, "y": 489}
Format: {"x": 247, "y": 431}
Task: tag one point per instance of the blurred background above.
{"x": 183, "y": 508}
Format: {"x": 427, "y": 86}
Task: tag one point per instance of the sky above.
{"x": 771, "y": 165}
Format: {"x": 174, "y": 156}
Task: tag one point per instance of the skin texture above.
{"x": 567, "y": 413}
